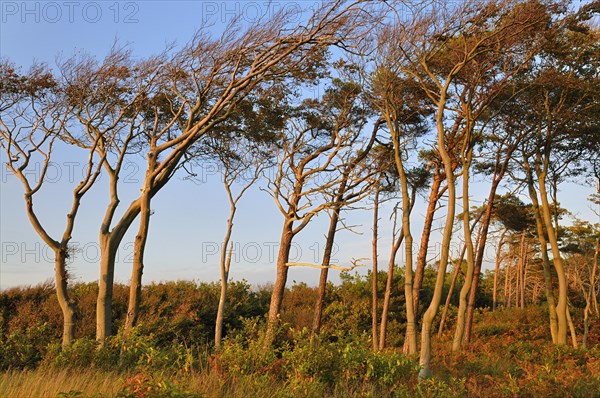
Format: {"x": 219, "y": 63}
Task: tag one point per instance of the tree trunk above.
{"x": 518, "y": 281}
{"x": 388, "y": 290}
{"x": 434, "y": 197}
{"x": 561, "y": 308}
{"x": 225, "y": 265}
{"x": 222, "y": 299}
{"x": 411, "y": 336}
{"x": 593, "y": 279}
{"x": 280, "y": 281}
{"x": 430, "y": 313}
{"x": 135, "y": 287}
{"x": 457, "y": 268}
{"x": 464, "y": 291}
{"x": 108, "y": 253}
{"x": 374, "y": 272}
{"x": 524, "y": 275}
{"x": 497, "y": 270}
{"x": 67, "y": 307}
{"x": 590, "y": 297}
{"x": 572, "y": 328}
{"x": 521, "y": 273}
{"x": 485, "y": 225}
{"x": 586, "y": 325}
{"x": 316, "y": 327}
{"x": 539, "y": 224}
{"x": 507, "y": 285}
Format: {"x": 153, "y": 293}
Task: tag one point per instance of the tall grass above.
{"x": 49, "y": 383}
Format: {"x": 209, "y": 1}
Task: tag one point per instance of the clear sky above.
{"x": 189, "y": 218}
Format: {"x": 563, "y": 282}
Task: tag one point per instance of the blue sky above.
{"x": 189, "y": 218}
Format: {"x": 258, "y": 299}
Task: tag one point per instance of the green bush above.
{"x": 244, "y": 352}
{"x": 24, "y": 349}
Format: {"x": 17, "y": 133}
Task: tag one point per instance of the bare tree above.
{"x": 244, "y": 168}
{"x": 314, "y": 144}
{"x": 114, "y": 98}
{"x": 202, "y": 83}
{"x": 34, "y": 122}
{"x": 354, "y": 184}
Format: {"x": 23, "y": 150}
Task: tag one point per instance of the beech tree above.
{"x": 315, "y": 142}
{"x": 470, "y": 31}
{"x": 580, "y": 245}
{"x": 113, "y": 98}
{"x": 243, "y": 167}
{"x": 242, "y": 148}
{"x": 353, "y": 186}
{"x": 201, "y": 85}
{"x": 34, "y": 123}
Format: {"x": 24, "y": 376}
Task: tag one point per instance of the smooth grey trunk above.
{"x": 434, "y": 197}
{"x": 108, "y": 254}
{"x": 590, "y": 297}
{"x": 135, "y": 287}
{"x": 521, "y": 273}
{"x": 411, "y": 335}
{"x": 586, "y": 326}
{"x": 483, "y": 235}
{"x": 594, "y": 299}
{"x": 230, "y": 174}
{"x": 507, "y": 284}
{"x": 524, "y": 274}
{"x": 561, "y": 307}
{"x": 225, "y": 265}
{"x": 518, "y": 280}
{"x": 539, "y": 224}
{"x": 572, "y": 329}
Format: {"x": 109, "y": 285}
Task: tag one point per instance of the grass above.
{"x": 49, "y": 383}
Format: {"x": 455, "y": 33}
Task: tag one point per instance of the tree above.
{"x": 202, "y": 84}
{"x": 561, "y": 103}
{"x": 34, "y": 122}
{"x": 437, "y": 46}
{"x": 313, "y": 145}
{"x": 120, "y": 98}
{"x": 242, "y": 147}
{"x": 354, "y": 183}
{"x": 401, "y": 105}
{"x": 580, "y": 245}
{"x": 235, "y": 170}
